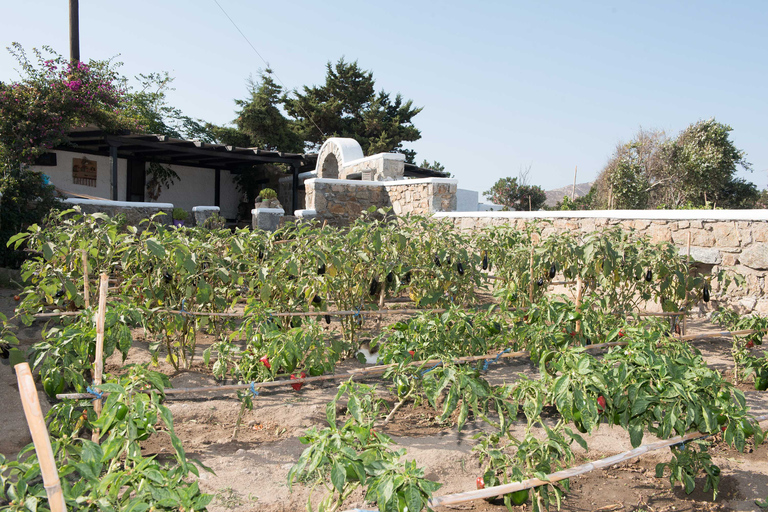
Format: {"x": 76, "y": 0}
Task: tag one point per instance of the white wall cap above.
{"x": 360, "y": 183}
{"x": 305, "y": 213}
{"x": 103, "y": 202}
{"x": 206, "y": 209}
{"x": 761, "y": 215}
{"x": 378, "y": 156}
{"x": 267, "y": 210}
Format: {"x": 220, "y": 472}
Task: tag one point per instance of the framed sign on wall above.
{"x": 84, "y": 172}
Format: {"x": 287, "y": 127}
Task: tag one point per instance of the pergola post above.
{"x": 217, "y": 188}
{"x": 295, "y": 189}
{"x": 113, "y": 167}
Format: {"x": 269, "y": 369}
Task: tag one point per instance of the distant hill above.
{"x": 556, "y": 195}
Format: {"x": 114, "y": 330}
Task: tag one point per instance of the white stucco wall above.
{"x": 466, "y": 200}
{"x": 196, "y": 186}
{"x": 229, "y": 195}
{"x": 61, "y": 175}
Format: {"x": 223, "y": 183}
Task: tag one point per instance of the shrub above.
{"x": 267, "y": 194}
{"x": 180, "y": 214}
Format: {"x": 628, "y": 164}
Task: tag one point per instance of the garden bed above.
{"x": 500, "y": 392}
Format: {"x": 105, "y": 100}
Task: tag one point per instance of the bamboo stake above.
{"x": 579, "y": 292}
{"x": 687, "y": 272}
{"x": 86, "y": 285}
{"x": 98, "y": 360}
{"x": 492, "y": 492}
{"x": 36, "y": 422}
{"x": 530, "y": 275}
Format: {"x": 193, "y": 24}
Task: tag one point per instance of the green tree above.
{"x": 704, "y": 159}
{"x": 696, "y": 169}
{"x": 435, "y": 166}
{"x": 347, "y": 105}
{"x": 515, "y": 196}
{"x": 261, "y": 119}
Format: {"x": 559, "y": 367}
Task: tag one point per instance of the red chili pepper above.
{"x": 412, "y": 352}
{"x": 480, "y": 483}
{"x": 750, "y": 344}
{"x": 621, "y": 334}
{"x": 265, "y": 361}
{"x": 298, "y": 385}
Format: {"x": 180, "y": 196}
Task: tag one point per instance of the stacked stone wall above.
{"x": 134, "y": 212}
{"x": 340, "y": 202}
{"x": 723, "y": 239}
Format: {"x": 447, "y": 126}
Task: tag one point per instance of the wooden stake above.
{"x": 36, "y": 422}
{"x": 98, "y": 360}
{"x": 687, "y": 273}
{"x": 86, "y": 285}
{"x": 579, "y": 291}
{"x": 492, "y": 492}
{"x": 530, "y": 274}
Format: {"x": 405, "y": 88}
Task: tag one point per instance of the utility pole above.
{"x": 74, "y": 31}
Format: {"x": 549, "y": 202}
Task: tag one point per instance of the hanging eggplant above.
{"x": 649, "y": 276}
{"x": 390, "y": 277}
{"x": 460, "y": 268}
{"x": 540, "y": 282}
{"x": 328, "y": 319}
{"x": 407, "y": 278}
{"x": 167, "y": 277}
{"x": 374, "y": 288}
{"x": 485, "y": 261}
{"x": 705, "y": 293}
{"x": 321, "y": 269}
{"x": 448, "y": 259}
{"x": 437, "y": 261}
{"x": 317, "y": 299}
{"x": 552, "y": 271}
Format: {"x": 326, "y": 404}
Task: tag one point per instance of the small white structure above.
{"x": 267, "y": 219}
{"x": 341, "y": 158}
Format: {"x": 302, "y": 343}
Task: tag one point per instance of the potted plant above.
{"x": 267, "y": 198}
{"x": 179, "y": 216}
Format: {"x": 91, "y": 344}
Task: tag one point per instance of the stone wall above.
{"x": 731, "y": 239}
{"x": 134, "y": 212}
{"x": 340, "y": 202}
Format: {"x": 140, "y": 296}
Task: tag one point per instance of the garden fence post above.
{"x": 36, "y": 422}
{"x": 86, "y": 285}
{"x": 98, "y": 360}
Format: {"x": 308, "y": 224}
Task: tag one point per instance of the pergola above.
{"x": 166, "y": 150}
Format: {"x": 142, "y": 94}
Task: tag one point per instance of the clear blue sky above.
{"x": 504, "y": 85}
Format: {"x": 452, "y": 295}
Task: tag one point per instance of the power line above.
{"x": 268, "y": 67}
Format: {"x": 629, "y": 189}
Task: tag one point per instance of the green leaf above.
{"x": 48, "y": 250}
{"x": 636, "y": 434}
{"x": 330, "y": 412}
{"x": 354, "y": 408}
{"x": 338, "y": 477}
{"x": 413, "y": 499}
{"x": 155, "y": 248}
